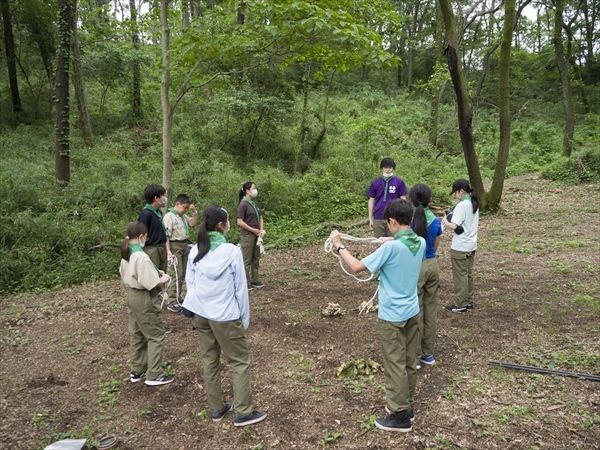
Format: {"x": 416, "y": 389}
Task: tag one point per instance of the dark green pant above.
{"x": 381, "y": 229}
{"x": 180, "y": 250}
{"x": 147, "y": 332}
{"x": 158, "y": 255}
{"x": 399, "y": 347}
{"x": 251, "y": 254}
{"x": 462, "y": 275}
{"x": 429, "y": 280}
{"x": 229, "y": 337}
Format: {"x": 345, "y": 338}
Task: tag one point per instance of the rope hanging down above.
{"x": 259, "y": 242}
{"x": 328, "y": 247}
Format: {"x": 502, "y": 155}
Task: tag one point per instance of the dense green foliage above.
{"x": 332, "y": 89}
{"x": 47, "y": 232}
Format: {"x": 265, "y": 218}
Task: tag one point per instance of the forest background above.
{"x": 99, "y": 99}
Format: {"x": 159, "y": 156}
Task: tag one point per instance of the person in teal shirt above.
{"x": 399, "y": 264}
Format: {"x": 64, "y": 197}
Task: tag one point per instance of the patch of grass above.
{"x": 561, "y": 267}
{"x": 448, "y": 393}
{"x": 368, "y": 423}
{"x": 107, "y": 395}
{"x": 329, "y": 438}
{"x": 15, "y": 339}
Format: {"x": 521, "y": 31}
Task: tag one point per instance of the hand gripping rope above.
{"x": 259, "y": 241}
{"x": 171, "y": 262}
{"x": 328, "y": 247}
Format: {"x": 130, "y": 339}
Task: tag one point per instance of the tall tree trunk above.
{"x": 564, "y": 78}
{"x": 167, "y": 110}
{"x": 11, "y": 61}
{"x": 465, "y": 111}
{"x": 136, "y": 101}
{"x": 411, "y": 45}
{"x": 495, "y": 194}
{"x": 315, "y": 147}
{"x": 82, "y": 107}
{"x": 435, "y": 93}
{"x": 185, "y": 13}
{"x": 62, "y": 144}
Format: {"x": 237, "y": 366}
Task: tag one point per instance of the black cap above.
{"x": 459, "y": 184}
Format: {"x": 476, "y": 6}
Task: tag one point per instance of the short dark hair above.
{"x": 183, "y": 199}
{"x": 387, "y": 162}
{"x": 152, "y": 191}
{"x": 400, "y": 210}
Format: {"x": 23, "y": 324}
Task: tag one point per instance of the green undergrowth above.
{"x": 54, "y": 237}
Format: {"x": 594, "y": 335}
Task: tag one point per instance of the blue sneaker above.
{"x": 217, "y": 416}
{"x": 411, "y": 414}
{"x": 399, "y": 421}
{"x": 429, "y": 360}
{"x": 254, "y": 417}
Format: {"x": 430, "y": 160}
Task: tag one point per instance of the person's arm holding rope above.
{"x": 354, "y": 264}
{"x": 247, "y": 227}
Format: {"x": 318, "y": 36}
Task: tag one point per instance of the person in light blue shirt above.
{"x": 217, "y": 300}
{"x": 399, "y": 264}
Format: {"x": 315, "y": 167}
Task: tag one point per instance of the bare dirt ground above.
{"x": 64, "y": 354}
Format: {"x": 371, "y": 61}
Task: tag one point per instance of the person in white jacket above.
{"x": 217, "y": 296}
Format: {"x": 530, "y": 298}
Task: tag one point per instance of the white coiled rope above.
{"x": 259, "y": 241}
{"x": 328, "y": 247}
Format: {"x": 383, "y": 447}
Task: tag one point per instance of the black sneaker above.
{"x": 174, "y": 307}
{"x": 411, "y": 414}
{"x": 456, "y": 309}
{"x": 258, "y": 284}
{"x": 217, "y": 416}
{"x": 470, "y": 305}
{"x": 165, "y": 379}
{"x": 254, "y": 417}
{"x": 168, "y": 330}
{"x": 399, "y": 421}
{"x": 180, "y": 301}
{"x": 135, "y": 376}
{"x": 250, "y": 287}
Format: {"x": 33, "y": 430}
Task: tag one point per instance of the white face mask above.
{"x": 254, "y": 193}
{"x": 142, "y": 244}
{"x": 225, "y": 230}
{"x": 165, "y": 201}
{"x": 388, "y": 175}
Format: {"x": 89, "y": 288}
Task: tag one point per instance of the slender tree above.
{"x": 11, "y": 60}
{"x": 62, "y": 147}
{"x": 561, "y": 62}
{"x": 136, "y": 104}
{"x": 84, "y": 122}
{"x": 167, "y": 109}
{"x": 465, "y": 110}
{"x": 493, "y": 197}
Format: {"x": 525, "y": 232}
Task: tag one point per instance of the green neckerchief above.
{"x": 254, "y": 206}
{"x": 466, "y": 197}
{"x": 215, "y": 239}
{"x": 387, "y": 182}
{"x": 429, "y": 216}
{"x": 410, "y": 239}
{"x": 158, "y": 214}
{"x": 185, "y": 225}
{"x": 134, "y": 248}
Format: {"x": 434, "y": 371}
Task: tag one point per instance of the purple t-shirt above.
{"x": 395, "y": 189}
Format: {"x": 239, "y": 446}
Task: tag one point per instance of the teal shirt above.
{"x": 399, "y": 273}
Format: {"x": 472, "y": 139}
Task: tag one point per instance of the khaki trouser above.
{"x": 251, "y": 254}
{"x": 429, "y": 280}
{"x": 399, "y": 347}
{"x": 158, "y": 255}
{"x": 462, "y": 275}
{"x": 180, "y": 250}
{"x": 229, "y": 337}
{"x": 147, "y": 332}
{"x": 381, "y": 229}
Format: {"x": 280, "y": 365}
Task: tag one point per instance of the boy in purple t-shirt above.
{"x": 382, "y": 191}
